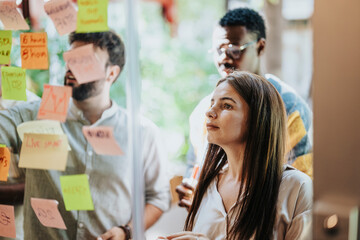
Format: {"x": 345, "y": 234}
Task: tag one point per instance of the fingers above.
{"x": 184, "y": 191}
{"x": 186, "y": 203}
{"x": 114, "y": 233}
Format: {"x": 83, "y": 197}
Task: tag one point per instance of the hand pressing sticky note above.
{"x": 84, "y": 64}
{"x": 5, "y": 46}
{"x": 44, "y": 151}
{"x": 13, "y": 83}
{"x": 7, "y": 221}
{"x": 92, "y": 16}
{"x": 34, "y": 52}
{"x": 4, "y": 163}
{"x": 76, "y": 192}
{"x": 11, "y": 17}
{"x": 47, "y": 212}
{"x": 102, "y": 140}
{"x": 63, "y": 14}
{"x": 54, "y": 102}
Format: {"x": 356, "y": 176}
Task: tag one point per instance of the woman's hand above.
{"x": 185, "y": 236}
{"x": 185, "y": 193}
{"x": 114, "y": 233}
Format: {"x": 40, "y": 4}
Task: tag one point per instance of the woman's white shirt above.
{"x": 293, "y": 220}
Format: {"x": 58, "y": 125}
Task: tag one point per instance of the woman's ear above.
{"x": 114, "y": 71}
{"x": 261, "y": 46}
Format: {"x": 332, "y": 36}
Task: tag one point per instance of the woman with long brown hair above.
{"x": 245, "y": 191}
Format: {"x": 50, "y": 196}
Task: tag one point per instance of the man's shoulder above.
{"x": 26, "y": 109}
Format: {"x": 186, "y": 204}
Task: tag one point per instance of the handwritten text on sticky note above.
{"x": 11, "y": 17}
{"x": 7, "y": 221}
{"x": 54, "y": 102}
{"x": 34, "y": 52}
{"x": 102, "y": 140}
{"x": 5, "y": 46}
{"x": 4, "y": 163}
{"x": 47, "y": 212}
{"x": 63, "y": 14}
{"x": 92, "y": 16}
{"x": 13, "y": 83}
{"x": 44, "y": 151}
{"x": 76, "y": 192}
{"x": 84, "y": 64}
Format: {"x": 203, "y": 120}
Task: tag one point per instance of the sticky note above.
{"x": 102, "y": 140}
{"x": 40, "y": 126}
{"x": 44, "y": 151}
{"x": 84, "y": 64}
{"x": 5, "y": 46}
{"x": 76, "y": 192}
{"x": 11, "y": 17}
{"x": 47, "y": 212}
{"x": 63, "y": 14}
{"x": 55, "y": 102}
{"x": 34, "y": 52}
{"x": 92, "y": 16}
{"x": 7, "y": 221}
{"x": 13, "y": 83}
{"x": 4, "y": 163}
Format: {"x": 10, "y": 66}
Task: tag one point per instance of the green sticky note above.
{"x": 13, "y": 83}
{"x": 5, "y": 46}
{"x": 2, "y": 145}
{"x": 76, "y": 192}
{"x": 92, "y": 16}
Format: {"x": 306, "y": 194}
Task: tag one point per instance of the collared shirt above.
{"x": 296, "y": 108}
{"x": 110, "y": 177}
{"x": 294, "y": 206}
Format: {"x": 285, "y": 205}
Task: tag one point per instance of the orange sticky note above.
{"x": 63, "y": 15}
{"x": 4, "y": 163}
{"x": 102, "y": 140}
{"x": 44, "y": 151}
{"x": 7, "y": 221}
{"x": 34, "y": 52}
{"x": 47, "y": 212}
{"x": 84, "y": 64}
{"x": 54, "y": 102}
{"x": 11, "y": 17}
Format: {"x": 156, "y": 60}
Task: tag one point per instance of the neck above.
{"x": 93, "y": 107}
{"x": 235, "y": 157}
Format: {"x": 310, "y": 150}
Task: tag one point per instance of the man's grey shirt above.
{"x": 110, "y": 177}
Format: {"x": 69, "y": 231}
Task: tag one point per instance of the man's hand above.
{"x": 185, "y": 236}
{"x": 114, "y": 233}
{"x": 186, "y": 193}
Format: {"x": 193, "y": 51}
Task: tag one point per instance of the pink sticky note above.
{"x": 7, "y": 221}
{"x": 54, "y": 102}
{"x": 47, "y": 212}
{"x": 63, "y": 14}
{"x": 102, "y": 140}
{"x": 84, "y": 64}
{"x": 11, "y": 17}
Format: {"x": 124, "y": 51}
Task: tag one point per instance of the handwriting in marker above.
{"x": 5, "y": 46}
{"x": 13, "y": 83}
{"x": 47, "y": 212}
{"x": 5, "y": 158}
{"x": 92, "y": 16}
{"x": 34, "y": 52}
{"x": 63, "y": 15}
{"x": 11, "y": 17}
{"x": 7, "y": 221}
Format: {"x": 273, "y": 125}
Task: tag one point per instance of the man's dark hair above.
{"x": 245, "y": 17}
{"x": 109, "y": 41}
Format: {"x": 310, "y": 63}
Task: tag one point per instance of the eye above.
{"x": 227, "y": 106}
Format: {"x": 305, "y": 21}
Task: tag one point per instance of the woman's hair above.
{"x": 262, "y": 165}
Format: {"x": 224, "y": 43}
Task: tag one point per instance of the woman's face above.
{"x": 227, "y": 117}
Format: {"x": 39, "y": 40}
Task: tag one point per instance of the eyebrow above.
{"x": 225, "y": 98}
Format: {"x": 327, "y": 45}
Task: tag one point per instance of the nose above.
{"x": 211, "y": 113}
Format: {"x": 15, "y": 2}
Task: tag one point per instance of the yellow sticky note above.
{"x": 13, "y": 83}
{"x": 63, "y": 15}
{"x": 92, "y": 16}
{"x": 54, "y": 102}
{"x": 76, "y": 192}
{"x": 4, "y": 163}
{"x": 5, "y": 46}
{"x": 11, "y": 17}
{"x": 34, "y": 52}
{"x": 44, "y": 151}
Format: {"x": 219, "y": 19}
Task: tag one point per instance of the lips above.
{"x": 70, "y": 79}
{"x": 211, "y": 126}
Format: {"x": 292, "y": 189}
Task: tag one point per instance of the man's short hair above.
{"x": 245, "y": 17}
{"x": 109, "y": 41}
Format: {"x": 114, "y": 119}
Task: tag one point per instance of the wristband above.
{"x": 126, "y": 228}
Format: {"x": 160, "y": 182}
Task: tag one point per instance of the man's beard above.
{"x": 85, "y": 91}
